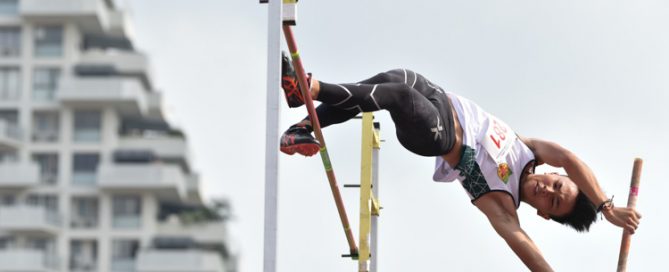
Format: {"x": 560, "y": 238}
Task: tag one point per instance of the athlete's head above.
{"x": 557, "y": 197}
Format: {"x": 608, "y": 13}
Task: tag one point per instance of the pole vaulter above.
{"x": 494, "y": 164}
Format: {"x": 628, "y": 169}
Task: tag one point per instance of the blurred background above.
{"x": 132, "y": 132}
{"x": 93, "y": 174}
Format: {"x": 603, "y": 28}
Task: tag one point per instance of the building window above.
{"x": 10, "y": 83}
{"x": 42, "y": 244}
{"x": 45, "y": 84}
{"x": 49, "y": 41}
{"x": 87, "y": 126}
{"x": 84, "y": 213}
{"x": 124, "y": 255}
{"x": 46, "y": 127}
{"x": 46, "y": 245}
{"x": 7, "y": 242}
{"x": 126, "y": 212}
{"x": 83, "y": 255}
{"x": 8, "y": 156}
{"x": 9, "y": 7}
{"x": 9, "y": 124}
{"x": 49, "y": 202}
{"x": 48, "y": 164}
{"x": 7, "y": 200}
{"x": 10, "y": 41}
{"x": 85, "y": 168}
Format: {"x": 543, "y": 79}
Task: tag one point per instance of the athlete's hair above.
{"x": 582, "y": 216}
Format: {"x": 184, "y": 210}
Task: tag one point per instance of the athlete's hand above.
{"x": 626, "y": 218}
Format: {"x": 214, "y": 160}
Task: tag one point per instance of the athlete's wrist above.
{"x": 606, "y": 205}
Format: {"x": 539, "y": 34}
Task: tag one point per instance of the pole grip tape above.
{"x": 634, "y": 191}
{"x": 326, "y": 159}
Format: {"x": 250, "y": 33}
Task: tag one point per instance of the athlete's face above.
{"x": 550, "y": 194}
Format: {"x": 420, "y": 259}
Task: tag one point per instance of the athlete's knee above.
{"x": 398, "y": 93}
{"x": 383, "y": 77}
{"x": 398, "y": 75}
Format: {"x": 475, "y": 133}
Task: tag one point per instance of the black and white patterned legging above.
{"x": 420, "y": 109}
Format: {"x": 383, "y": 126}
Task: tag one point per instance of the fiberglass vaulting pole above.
{"x": 631, "y": 203}
{"x": 302, "y": 77}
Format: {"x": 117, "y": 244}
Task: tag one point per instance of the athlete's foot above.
{"x": 289, "y": 82}
{"x": 298, "y": 139}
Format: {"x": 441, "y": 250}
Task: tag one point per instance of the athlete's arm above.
{"x": 558, "y": 156}
{"x": 501, "y": 212}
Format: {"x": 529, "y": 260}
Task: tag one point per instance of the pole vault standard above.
{"x": 369, "y": 205}
{"x": 631, "y": 203}
{"x": 283, "y": 12}
{"x": 274, "y": 20}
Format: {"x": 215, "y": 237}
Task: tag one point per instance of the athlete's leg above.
{"x": 423, "y": 126}
{"x": 329, "y": 115}
{"x": 420, "y": 110}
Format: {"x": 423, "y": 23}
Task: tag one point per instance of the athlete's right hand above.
{"x": 626, "y": 218}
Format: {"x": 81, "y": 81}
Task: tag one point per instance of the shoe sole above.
{"x": 303, "y": 149}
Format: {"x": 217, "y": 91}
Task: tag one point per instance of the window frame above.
{"x": 10, "y": 41}
{"x": 48, "y": 41}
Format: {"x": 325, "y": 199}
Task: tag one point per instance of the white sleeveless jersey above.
{"x": 493, "y": 158}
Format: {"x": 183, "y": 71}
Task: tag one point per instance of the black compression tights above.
{"x": 420, "y": 110}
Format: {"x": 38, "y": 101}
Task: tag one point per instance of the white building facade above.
{"x": 92, "y": 177}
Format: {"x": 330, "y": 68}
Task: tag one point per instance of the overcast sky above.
{"x": 592, "y": 76}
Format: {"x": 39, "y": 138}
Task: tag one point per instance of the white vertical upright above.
{"x": 274, "y": 21}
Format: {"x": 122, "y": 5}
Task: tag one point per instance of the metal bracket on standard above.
{"x": 376, "y": 206}
{"x": 353, "y": 255}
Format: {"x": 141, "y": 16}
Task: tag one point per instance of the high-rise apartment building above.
{"x": 92, "y": 177}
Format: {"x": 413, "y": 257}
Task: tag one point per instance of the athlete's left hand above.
{"x": 626, "y": 218}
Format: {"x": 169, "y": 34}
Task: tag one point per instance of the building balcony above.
{"x": 127, "y": 222}
{"x": 120, "y": 25}
{"x": 90, "y": 15}
{"x": 124, "y": 265}
{"x": 155, "y": 102}
{"x": 179, "y": 260}
{"x": 167, "y": 181}
{"x": 126, "y": 94}
{"x": 193, "y": 188}
{"x": 10, "y": 136}
{"x": 124, "y": 62}
{"x": 18, "y": 176}
{"x": 29, "y": 220}
{"x": 171, "y": 148}
{"x": 19, "y": 260}
{"x": 214, "y": 232}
